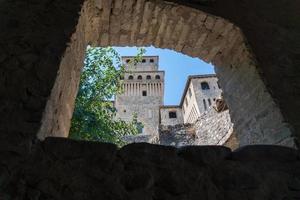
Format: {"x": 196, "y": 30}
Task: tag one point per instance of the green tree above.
{"x": 94, "y": 114}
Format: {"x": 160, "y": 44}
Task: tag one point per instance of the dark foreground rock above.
{"x": 66, "y": 169}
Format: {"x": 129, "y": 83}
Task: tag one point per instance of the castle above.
{"x": 143, "y": 96}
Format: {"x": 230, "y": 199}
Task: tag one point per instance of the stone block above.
{"x": 95, "y": 153}
{"x": 141, "y": 153}
{"x": 204, "y": 155}
{"x": 265, "y": 153}
{"x": 137, "y": 179}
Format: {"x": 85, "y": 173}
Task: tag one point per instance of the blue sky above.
{"x": 177, "y": 68}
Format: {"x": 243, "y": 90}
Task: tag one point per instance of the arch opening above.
{"x": 256, "y": 116}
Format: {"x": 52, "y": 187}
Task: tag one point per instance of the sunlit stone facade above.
{"x": 143, "y": 91}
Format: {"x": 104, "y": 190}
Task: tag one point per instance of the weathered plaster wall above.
{"x": 193, "y": 103}
{"x": 65, "y": 169}
{"x": 214, "y": 92}
{"x": 190, "y": 106}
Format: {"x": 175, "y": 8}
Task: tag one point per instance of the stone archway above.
{"x": 256, "y": 117}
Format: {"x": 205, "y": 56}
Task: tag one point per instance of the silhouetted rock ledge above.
{"x": 59, "y": 168}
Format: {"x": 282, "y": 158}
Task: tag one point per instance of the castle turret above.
{"x": 143, "y": 92}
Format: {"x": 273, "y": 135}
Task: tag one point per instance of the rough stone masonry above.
{"x": 212, "y": 128}
{"x": 34, "y": 38}
{"x": 78, "y": 170}
{"x": 213, "y": 38}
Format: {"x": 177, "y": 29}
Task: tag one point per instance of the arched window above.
{"x": 144, "y": 60}
{"x": 204, "y": 86}
{"x": 157, "y": 77}
{"x": 151, "y": 60}
{"x": 148, "y": 77}
{"x": 130, "y": 77}
{"x": 121, "y": 77}
{"x": 140, "y": 77}
{"x": 128, "y": 60}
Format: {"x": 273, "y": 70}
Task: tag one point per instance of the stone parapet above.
{"x": 65, "y": 169}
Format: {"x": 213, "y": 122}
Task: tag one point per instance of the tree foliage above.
{"x": 94, "y": 116}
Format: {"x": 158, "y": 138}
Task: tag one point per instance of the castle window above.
{"x": 144, "y": 93}
{"x": 172, "y": 114}
{"x": 209, "y": 102}
{"x": 157, "y": 77}
{"x": 204, "y": 86}
{"x": 214, "y": 99}
{"x": 190, "y": 92}
{"x": 218, "y": 85}
{"x": 140, "y": 77}
{"x": 140, "y": 127}
{"x": 128, "y": 60}
{"x": 204, "y": 104}
{"x": 186, "y": 103}
{"x": 148, "y": 77}
{"x": 121, "y": 77}
{"x": 144, "y": 60}
{"x": 124, "y": 111}
{"x": 130, "y": 77}
{"x": 152, "y": 60}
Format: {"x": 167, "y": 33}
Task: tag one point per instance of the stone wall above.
{"x": 213, "y": 128}
{"x": 143, "y": 137}
{"x": 177, "y": 135}
{"x": 164, "y": 113}
{"x": 65, "y": 169}
{"x": 142, "y": 94}
{"x": 275, "y": 43}
{"x": 195, "y": 99}
{"x": 213, "y": 39}
{"x": 33, "y": 38}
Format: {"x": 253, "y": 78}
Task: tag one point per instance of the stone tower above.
{"x": 143, "y": 92}
{"x": 200, "y": 93}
